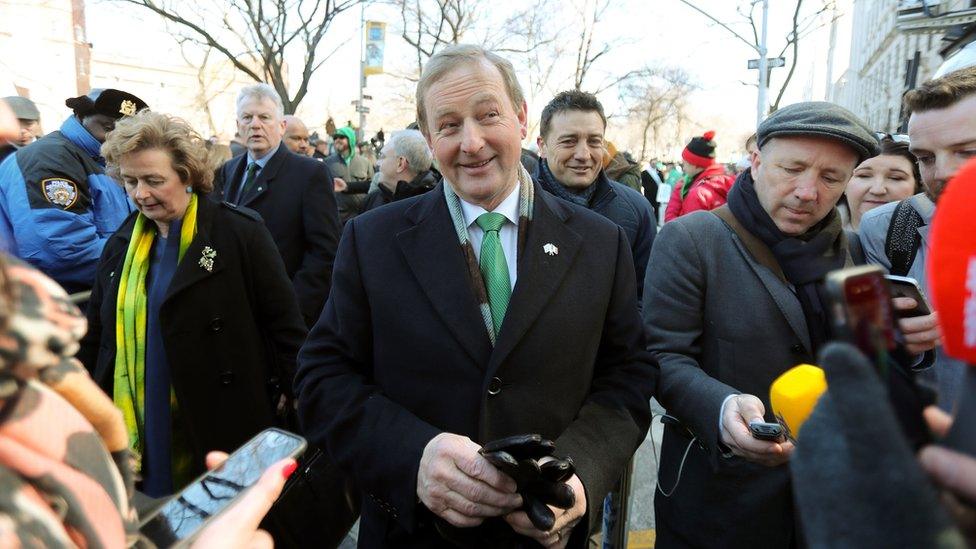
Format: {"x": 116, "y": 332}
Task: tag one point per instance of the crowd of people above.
{"x": 406, "y": 302}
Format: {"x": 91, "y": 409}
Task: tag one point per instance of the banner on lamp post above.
{"x": 375, "y": 43}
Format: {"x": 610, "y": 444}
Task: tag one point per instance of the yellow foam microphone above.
{"x": 794, "y": 394}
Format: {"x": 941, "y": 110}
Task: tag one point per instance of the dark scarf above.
{"x": 805, "y": 259}
{"x": 551, "y": 184}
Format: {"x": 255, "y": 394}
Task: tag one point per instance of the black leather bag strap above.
{"x": 903, "y": 240}
{"x": 760, "y": 251}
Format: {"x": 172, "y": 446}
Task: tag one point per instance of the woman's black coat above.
{"x": 231, "y": 333}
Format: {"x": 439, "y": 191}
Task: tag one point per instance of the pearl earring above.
{"x": 189, "y": 189}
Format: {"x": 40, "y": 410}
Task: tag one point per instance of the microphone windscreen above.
{"x": 794, "y": 394}
{"x": 951, "y": 264}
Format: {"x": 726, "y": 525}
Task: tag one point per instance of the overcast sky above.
{"x": 648, "y": 31}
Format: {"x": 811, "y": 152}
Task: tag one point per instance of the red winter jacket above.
{"x": 708, "y": 191}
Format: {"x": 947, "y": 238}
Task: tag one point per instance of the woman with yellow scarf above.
{"x": 194, "y": 325}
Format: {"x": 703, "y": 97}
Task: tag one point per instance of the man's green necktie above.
{"x": 494, "y": 268}
{"x": 249, "y": 178}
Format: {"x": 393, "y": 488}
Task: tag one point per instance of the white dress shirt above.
{"x": 508, "y": 233}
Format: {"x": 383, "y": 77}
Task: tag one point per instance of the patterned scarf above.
{"x": 130, "y": 322}
{"x": 805, "y": 259}
{"x": 526, "y": 199}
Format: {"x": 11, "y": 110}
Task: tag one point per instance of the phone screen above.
{"x": 184, "y": 514}
{"x": 869, "y": 314}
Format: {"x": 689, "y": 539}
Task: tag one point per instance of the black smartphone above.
{"x": 184, "y": 515}
{"x": 862, "y": 310}
{"x": 767, "y": 431}
{"x": 906, "y": 286}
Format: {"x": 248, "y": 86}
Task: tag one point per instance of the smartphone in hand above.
{"x": 772, "y": 432}
{"x": 184, "y": 515}
{"x": 906, "y": 286}
{"x": 862, "y": 310}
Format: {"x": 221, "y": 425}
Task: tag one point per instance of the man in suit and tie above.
{"x": 292, "y": 193}
{"x": 482, "y": 309}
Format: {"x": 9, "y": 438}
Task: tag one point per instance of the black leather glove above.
{"x": 539, "y": 484}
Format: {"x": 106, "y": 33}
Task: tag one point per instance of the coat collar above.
{"x": 264, "y": 180}
{"x": 539, "y": 273}
{"x": 189, "y": 271}
{"x": 762, "y": 262}
{"x": 432, "y": 251}
{"x": 926, "y": 209}
{"x": 780, "y": 291}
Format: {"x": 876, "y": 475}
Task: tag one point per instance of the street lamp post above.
{"x": 763, "y": 67}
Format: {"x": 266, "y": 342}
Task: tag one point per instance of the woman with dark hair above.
{"x": 194, "y": 325}
{"x": 890, "y": 176}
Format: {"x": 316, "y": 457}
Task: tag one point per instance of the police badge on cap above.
{"x": 109, "y": 102}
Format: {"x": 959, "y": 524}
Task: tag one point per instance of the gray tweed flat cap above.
{"x": 24, "y": 109}
{"x": 820, "y": 119}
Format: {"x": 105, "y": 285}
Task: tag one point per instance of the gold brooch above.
{"x": 207, "y": 260}
{"x": 127, "y": 108}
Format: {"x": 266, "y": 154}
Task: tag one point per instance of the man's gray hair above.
{"x": 260, "y": 91}
{"x": 452, "y": 57}
{"x": 411, "y": 145}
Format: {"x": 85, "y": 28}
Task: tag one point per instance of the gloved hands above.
{"x": 541, "y": 478}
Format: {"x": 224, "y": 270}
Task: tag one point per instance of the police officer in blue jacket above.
{"x": 57, "y": 204}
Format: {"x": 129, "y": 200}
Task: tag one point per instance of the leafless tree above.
{"x": 588, "y": 53}
{"x": 209, "y": 83}
{"x": 257, "y": 35}
{"x": 429, "y": 25}
{"x": 802, "y": 25}
{"x": 656, "y": 99}
{"x": 526, "y": 37}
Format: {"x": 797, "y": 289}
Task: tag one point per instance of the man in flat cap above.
{"x": 57, "y": 204}
{"x": 30, "y": 124}
{"x": 764, "y": 252}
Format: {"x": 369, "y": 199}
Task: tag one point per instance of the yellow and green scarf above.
{"x": 130, "y": 322}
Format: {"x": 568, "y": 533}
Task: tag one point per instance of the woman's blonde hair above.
{"x": 151, "y": 130}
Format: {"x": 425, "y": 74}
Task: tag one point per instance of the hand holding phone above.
{"x": 905, "y": 286}
{"x": 772, "y": 432}
{"x": 239, "y": 525}
{"x": 203, "y": 502}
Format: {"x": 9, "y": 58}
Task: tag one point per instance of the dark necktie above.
{"x": 252, "y": 170}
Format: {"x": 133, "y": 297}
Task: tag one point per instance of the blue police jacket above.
{"x": 58, "y": 206}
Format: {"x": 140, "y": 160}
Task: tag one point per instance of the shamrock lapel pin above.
{"x": 207, "y": 258}
{"x": 550, "y": 249}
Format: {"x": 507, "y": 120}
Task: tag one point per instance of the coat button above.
{"x": 216, "y": 324}
{"x": 494, "y": 386}
{"x": 226, "y": 378}
{"x": 797, "y": 348}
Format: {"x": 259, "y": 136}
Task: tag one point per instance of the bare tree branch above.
{"x": 656, "y": 98}
{"x": 263, "y": 32}
{"x": 721, "y": 24}
{"x": 795, "y": 39}
{"x": 800, "y": 28}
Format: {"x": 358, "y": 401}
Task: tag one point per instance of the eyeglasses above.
{"x": 897, "y": 137}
